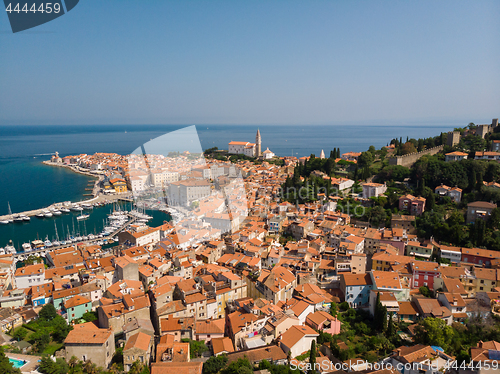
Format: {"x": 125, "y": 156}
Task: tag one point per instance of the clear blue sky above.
{"x": 254, "y": 62}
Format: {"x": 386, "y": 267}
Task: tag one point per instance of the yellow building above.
{"x": 9, "y": 319}
{"x": 119, "y": 185}
{"x": 384, "y": 261}
{"x": 485, "y": 280}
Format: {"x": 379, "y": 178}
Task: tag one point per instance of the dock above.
{"x": 127, "y": 197}
{"x": 17, "y": 256}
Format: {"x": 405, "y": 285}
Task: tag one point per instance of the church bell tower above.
{"x": 258, "y": 144}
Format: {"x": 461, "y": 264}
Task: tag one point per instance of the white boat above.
{"x": 4, "y": 222}
{"x": 2, "y": 251}
{"x": 56, "y": 212}
{"x": 82, "y": 216}
{"x": 47, "y": 243}
{"x": 18, "y": 218}
{"x": 26, "y": 247}
{"x": 65, "y": 210}
{"x": 47, "y": 213}
{"x": 10, "y": 249}
{"x": 76, "y": 208}
{"x": 40, "y": 215}
{"x": 25, "y": 218}
{"x": 56, "y": 243}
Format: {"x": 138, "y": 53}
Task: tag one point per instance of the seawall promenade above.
{"x": 98, "y": 198}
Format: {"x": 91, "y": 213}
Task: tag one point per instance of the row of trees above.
{"x": 75, "y": 366}
{"x": 414, "y": 145}
{"x": 466, "y": 174}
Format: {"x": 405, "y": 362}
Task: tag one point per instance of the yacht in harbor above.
{"x": 26, "y": 247}
{"x": 10, "y": 249}
{"x": 25, "y": 218}
{"x": 18, "y": 218}
{"x": 65, "y": 210}
{"x": 40, "y": 215}
{"x": 82, "y": 216}
{"x": 37, "y": 244}
{"x": 47, "y": 243}
{"x": 76, "y": 208}
{"x": 47, "y": 213}
{"x": 55, "y": 212}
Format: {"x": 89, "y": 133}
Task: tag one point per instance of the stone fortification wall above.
{"x": 410, "y": 159}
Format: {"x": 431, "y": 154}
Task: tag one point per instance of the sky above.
{"x": 254, "y": 62}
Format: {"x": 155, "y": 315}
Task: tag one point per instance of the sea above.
{"x": 27, "y": 184}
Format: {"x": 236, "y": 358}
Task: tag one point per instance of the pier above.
{"x": 17, "y": 256}
{"x": 99, "y": 199}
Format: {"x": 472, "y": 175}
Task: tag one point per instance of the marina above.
{"x": 104, "y": 221}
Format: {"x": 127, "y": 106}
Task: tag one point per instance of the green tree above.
{"x": 32, "y": 260}
{"x": 312, "y": 357}
{"x": 48, "y": 312}
{"x": 424, "y": 290}
{"x": 20, "y": 333}
{"x": 434, "y": 331}
{"x": 40, "y": 339}
{"x": 240, "y": 366}
{"x": 380, "y": 315}
{"x": 139, "y": 368}
{"x": 408, "y": 148}
{"x": 333, "y": 309}
{"x": 5, "y": 365}
{"x": 61, "y": 329}
{"x": 214, "y": 364}
{"x": 365, "y": 159}
{"x": 197, "y": 348}
{"x": 376, "y": 216}
{"x": 89, "y": 316}
{"x": 48, "y": 366}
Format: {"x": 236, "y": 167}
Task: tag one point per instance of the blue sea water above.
{"x": 28, "y": 184}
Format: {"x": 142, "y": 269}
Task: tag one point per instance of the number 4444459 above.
{"x": 43, "y": 8}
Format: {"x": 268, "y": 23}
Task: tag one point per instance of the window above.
{"x": 426, "y": 277}
{"x": 416, "y": 276}
{"x": 482, "y": 281}
{"x": 416, "y": 284}
{"x": 107, "y": 344}
{"x": 481, "y": 288}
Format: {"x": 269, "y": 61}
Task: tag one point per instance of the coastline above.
{"x": 97, "y": 198}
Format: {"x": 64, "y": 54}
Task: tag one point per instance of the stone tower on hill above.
{"x": 258, "y": 144}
